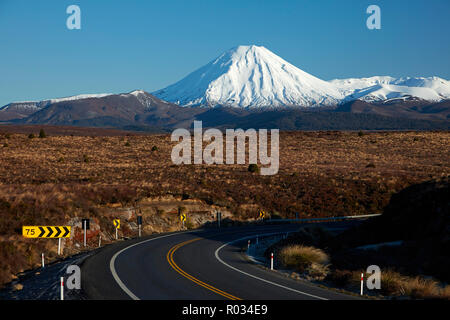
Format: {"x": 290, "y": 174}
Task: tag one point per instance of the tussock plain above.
{"x": 63, "y": 177}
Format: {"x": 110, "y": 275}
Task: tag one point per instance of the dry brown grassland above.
{"x": 59, "y": 179}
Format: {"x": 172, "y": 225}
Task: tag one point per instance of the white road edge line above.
{"x": 255, "y": 277}
{"x": 113, "y": 259}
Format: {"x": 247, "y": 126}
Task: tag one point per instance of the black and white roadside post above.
{"x": 362, "y": 283}
{"x": 85, "y": 223}
{"x": 139, "y": 222}
{"x": 62, "y": 287}
{"x": 271, "y": 261}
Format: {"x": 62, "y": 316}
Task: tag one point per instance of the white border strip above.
{"x": 255, "y": 277}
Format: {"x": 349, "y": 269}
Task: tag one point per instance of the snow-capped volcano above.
{"x": 254, "y": 77}
{"x": 250, "y": 76}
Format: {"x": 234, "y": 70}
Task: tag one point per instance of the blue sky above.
{"x": 127, "y": 45}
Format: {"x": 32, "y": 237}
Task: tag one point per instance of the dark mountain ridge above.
{"x": 141, "y": 111}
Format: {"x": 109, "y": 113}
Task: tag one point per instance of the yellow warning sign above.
{"x": 46, "y": 231}
{"x": 116, "y": 223}
{"x": 183, "y": 217}
{"x": 262, "y": 214}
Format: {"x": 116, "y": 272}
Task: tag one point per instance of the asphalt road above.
{"x": 207, "y": 264}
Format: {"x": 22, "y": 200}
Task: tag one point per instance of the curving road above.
{"x": 204, "y": 264}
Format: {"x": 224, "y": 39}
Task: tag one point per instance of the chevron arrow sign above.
{"x": 261, "y": 214}
{"x": 46, "y": 231}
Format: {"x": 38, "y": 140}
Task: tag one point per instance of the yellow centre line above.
{"x": 190, "y": 277}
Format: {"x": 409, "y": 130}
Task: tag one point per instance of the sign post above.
{"x": 139, "y": 222}
{"x": 219, "y": 217}
{"x": 85, "y": 223}
{"x": 116, "y": 223}
{"x": 183, "y": 218}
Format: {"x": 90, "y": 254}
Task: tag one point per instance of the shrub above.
{"x": 253, "y": 168}
{"x": 85, "y": 158}
{"x": 317, "y": 271}
{"x": 360, "y": 133}
{"x": 42, "y": 134}
{"x": 393, "y": 283}
{"x": 31, "y": 136}
{"x": 154, "y": 148}
{"x": 188, "y": 224}
{"x": 341, "y": 278}
{"x": 127, "y": 144}
{"x": 5, "y": 145}
{"x": 370, "y": 165}
{"x": 302, "y": 257}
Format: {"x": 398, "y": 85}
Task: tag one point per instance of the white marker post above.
{"x": 59, "y": 246}
{"x": 84, "y": 227}
{"x": 271, "y": 261}
{"x": 62, "y": 288}
{"x": 117, "y": 236}
{"x": 362, "y": 283}
{"x": 99, "y": 240}
{"x": 248, "y": 245}
{"x": 140, "y": 227}
{"x": 43, "y": 261}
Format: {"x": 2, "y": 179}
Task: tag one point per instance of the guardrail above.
{"x": 324, "y": 219}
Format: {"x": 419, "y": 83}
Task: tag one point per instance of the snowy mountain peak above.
{"x": 250, "y": 77}
{"x": 254, "y": 77}
{"x": 384, "y": 88}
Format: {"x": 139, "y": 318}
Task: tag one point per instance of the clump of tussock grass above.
{"x": 305, "y": 259}
{"x": 394, "y": 283}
